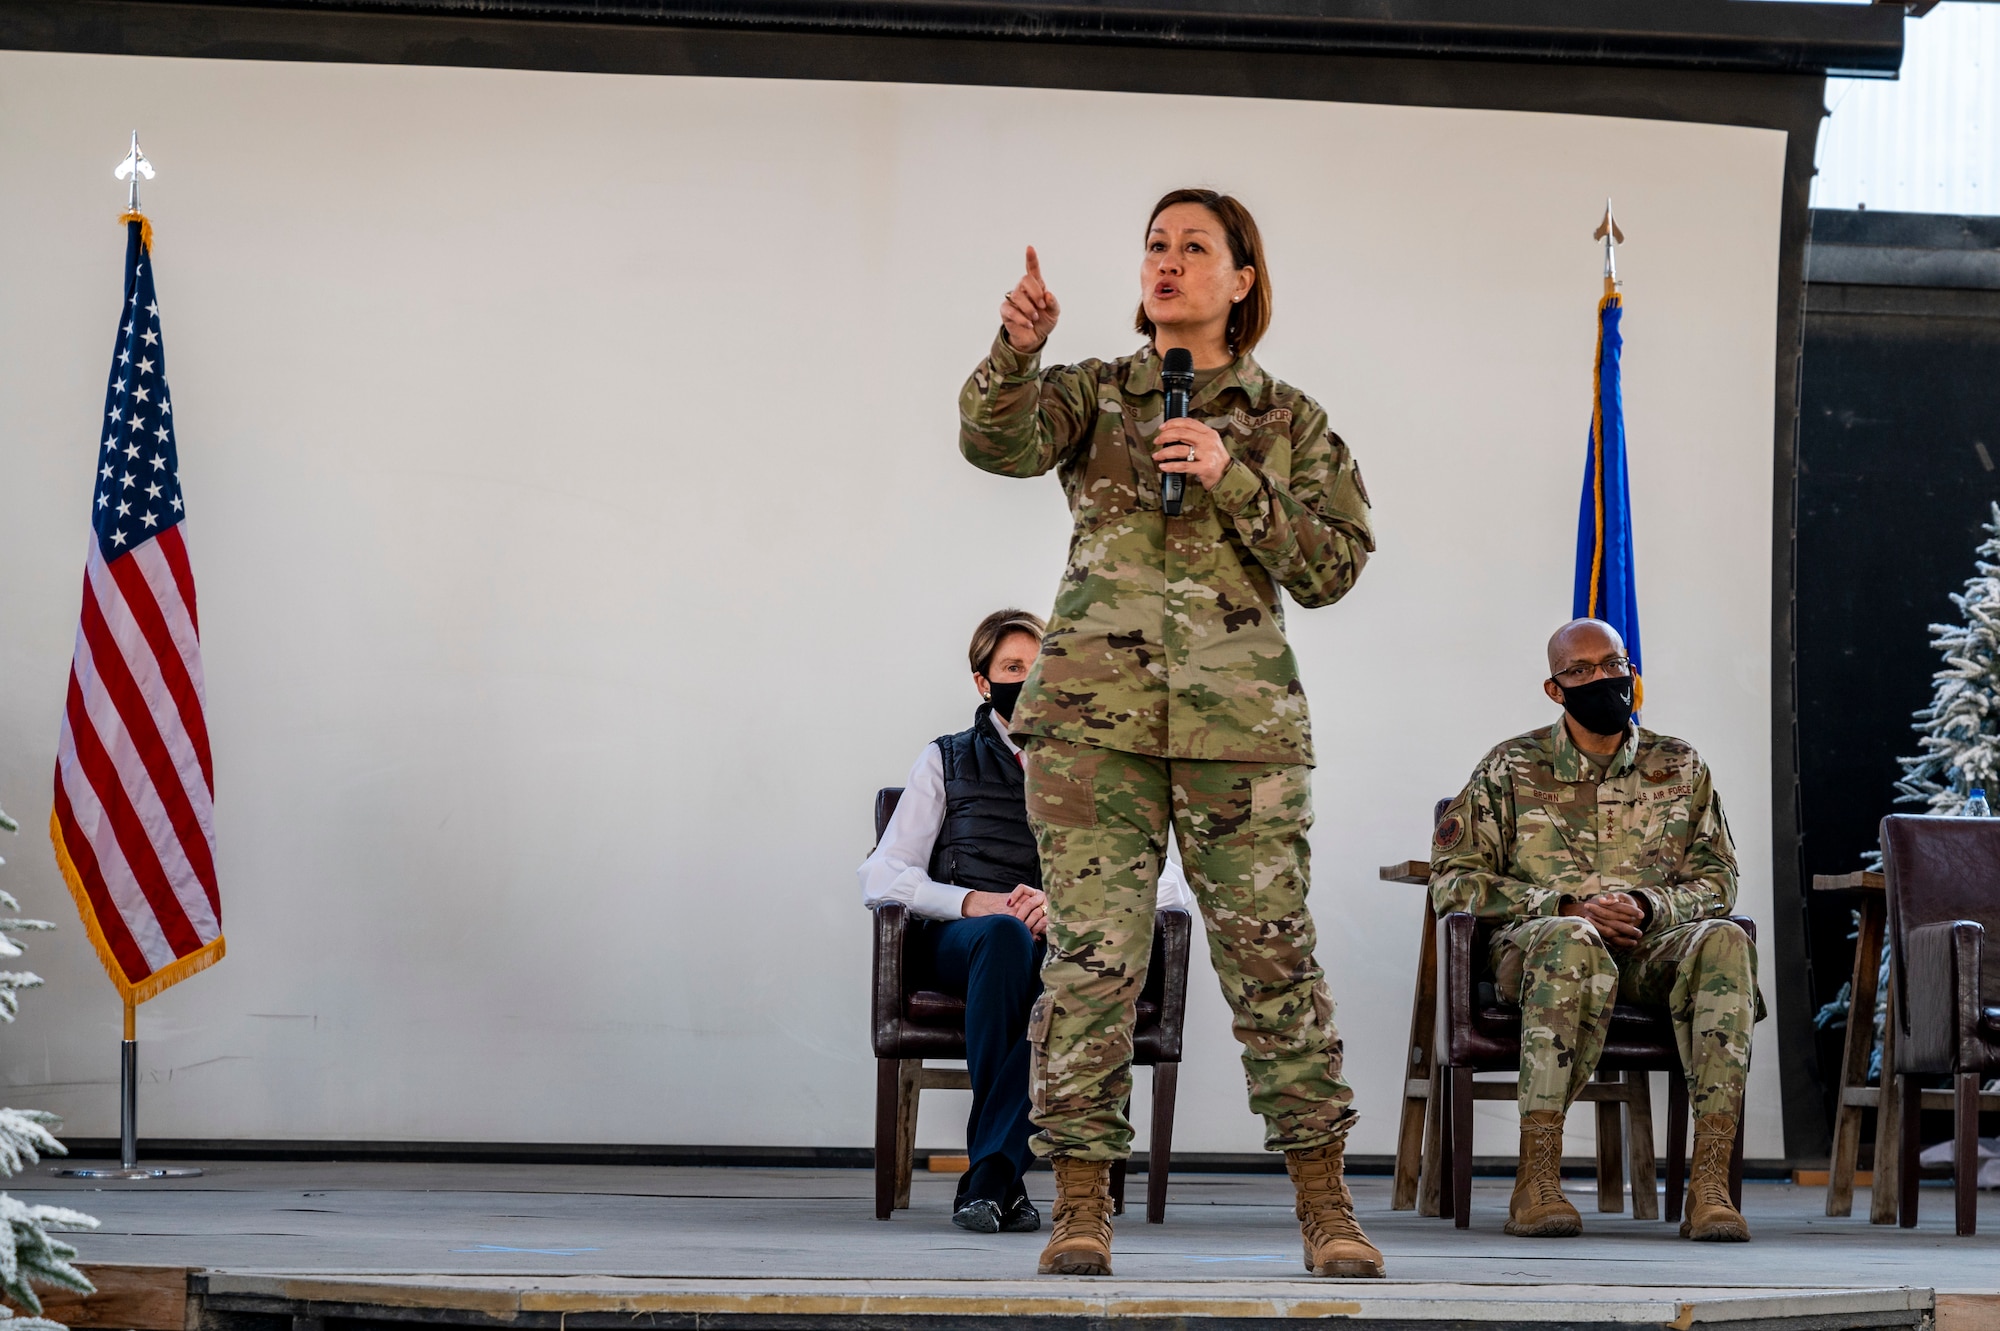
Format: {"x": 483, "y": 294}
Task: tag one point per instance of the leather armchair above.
{"x": 1480, "y": 1033}
{"x": 910, "y": 1024}
{"x": 1943, "y": 882}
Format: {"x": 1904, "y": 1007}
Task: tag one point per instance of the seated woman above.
{"x": 959, "y": 855}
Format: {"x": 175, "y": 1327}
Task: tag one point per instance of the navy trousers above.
{"x": 995, "y": 964}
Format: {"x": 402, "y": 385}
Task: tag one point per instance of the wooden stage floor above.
{"x": 304, "y": 1244}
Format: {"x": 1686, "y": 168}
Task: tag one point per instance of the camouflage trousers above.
{"x": 1704, "y": 973}
{"x": 1100, "y": 818}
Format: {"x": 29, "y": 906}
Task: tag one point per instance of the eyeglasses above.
{"x": 1616, "y": 667}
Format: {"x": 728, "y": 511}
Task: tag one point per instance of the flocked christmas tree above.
{"x": 1958, "y": 734}
{"x": 29, "y": 1252}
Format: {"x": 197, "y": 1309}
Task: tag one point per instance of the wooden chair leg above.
{"x": 1965, "y": 1151}
{"x": 909, "y": 1085}
{"x": 1908, "y": 1148}
{"x": 1885, "y": 1196}
{"x": 1447, "y": 1152}
{"x": 886, "y": 1084}
{"x": 1856, "y": 1047}
{"x": 1118, "y": 1187}
{"x": 1610, "y": 1154}
{"x": 1461, "y": 1147}
{"x": 1160, "y": 1154}
{"x": 1413, "y": 1130}
{"x": 1677, "y": 1144}
{"x": 1430, "y": 1178}
{"x": 1639, "y": 1145}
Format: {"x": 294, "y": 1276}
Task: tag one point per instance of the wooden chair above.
{"x": 1943, "y": 888}
{"x": 913, "y": 1024}
{"x": 1621, "y": 1093}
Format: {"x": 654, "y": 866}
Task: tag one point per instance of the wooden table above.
{"x": 1856, "y": 1095}
{"x": 1419, "y": 1134}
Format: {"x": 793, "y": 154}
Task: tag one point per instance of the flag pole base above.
{"x": 118, "y": 1172}
{"x": 128, "y": 1166}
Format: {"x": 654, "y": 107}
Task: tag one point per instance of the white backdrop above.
{"x": 582, "y": 538}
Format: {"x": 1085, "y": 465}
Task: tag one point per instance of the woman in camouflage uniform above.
{"x": 1166, "y": 693}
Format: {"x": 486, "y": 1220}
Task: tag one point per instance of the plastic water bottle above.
{"x": 1975, "y": 805}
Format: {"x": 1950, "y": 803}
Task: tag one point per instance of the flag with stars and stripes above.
{"x": 134, "y": 826}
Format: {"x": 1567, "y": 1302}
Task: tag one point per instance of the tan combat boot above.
{"x": 1080, "y": 1230}
{"x": 1334, "y": 1243}
{"x": 1710, "y": 1216}
{"x": 1538, "y": 1209}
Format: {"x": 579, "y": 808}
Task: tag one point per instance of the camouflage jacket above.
{"x": 1168, "y": 635}
{"x": 1535, "y": 826}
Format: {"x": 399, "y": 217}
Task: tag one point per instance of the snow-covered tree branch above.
{"x": 30, "y": 1254}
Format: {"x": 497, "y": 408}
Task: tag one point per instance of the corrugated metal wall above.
{"x": 1928, "y": 142}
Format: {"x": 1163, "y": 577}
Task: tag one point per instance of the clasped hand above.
{"x": 1210, "y": 456}
{"x": 1027, "y": 904}
{"x": 1620, "y": 919}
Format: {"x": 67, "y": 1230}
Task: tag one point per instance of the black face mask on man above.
{"x": 1603, "y": 706}
{"x": 1003, "y": 696}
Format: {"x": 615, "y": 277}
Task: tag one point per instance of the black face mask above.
{"x": 1003, "y": 696}
{"x": 1603, "y": 706}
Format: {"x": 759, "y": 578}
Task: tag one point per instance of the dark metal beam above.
{"x": 1737, "y": 35}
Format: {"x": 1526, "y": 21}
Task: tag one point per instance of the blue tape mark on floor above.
{"x": 538, "y": 1252}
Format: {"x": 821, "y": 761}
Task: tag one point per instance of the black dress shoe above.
{"x": 980, "y": 1216}
{"x": 1021, "y": 1217}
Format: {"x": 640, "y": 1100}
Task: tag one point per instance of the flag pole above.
{"x": 128, "y": 1117}
{"x": 128, "y": 1089}
{"x": 133, "y": 167}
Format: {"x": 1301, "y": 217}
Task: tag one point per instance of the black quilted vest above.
{"x": 985, "y": 843}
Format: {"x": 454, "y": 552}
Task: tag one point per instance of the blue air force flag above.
{"x": 1605, "y": 582}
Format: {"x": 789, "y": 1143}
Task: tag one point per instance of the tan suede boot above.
{"x": 1080, "y": 1230}
{"x": 1334, "y": 1243}
{"x": 1710, "y": 1216}
{"x": 1538, "y": 1209}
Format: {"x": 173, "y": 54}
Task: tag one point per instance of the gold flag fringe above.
{"x": 145, "y": 227}
{"x": 160, "y": 980}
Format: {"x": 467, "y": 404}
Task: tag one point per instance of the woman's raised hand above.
{"x": 1030, "y": 311}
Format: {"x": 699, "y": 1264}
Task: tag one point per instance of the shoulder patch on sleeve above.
{"x": 1449, "y": 832}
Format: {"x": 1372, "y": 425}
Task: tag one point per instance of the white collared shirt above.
{"x": 899, "y": 867}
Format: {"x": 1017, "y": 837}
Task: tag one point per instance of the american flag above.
{"x": 134, "y": 826}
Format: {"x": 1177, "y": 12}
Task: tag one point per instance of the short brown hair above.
{"x": 993, "y": 631}
{"x": 1250, "y": 317}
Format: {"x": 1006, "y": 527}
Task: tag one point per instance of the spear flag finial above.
{"x": 133, "y": 168}
{"x": 1607, "y": 231}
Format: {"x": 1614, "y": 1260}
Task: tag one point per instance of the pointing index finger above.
{"x": 1034, "y": 264}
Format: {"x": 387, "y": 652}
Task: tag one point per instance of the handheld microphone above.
{"x": 1177, "y": 377}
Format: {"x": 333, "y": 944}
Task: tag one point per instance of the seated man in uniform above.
{"x": 1600, "y": 853}
{"x": 959, "y": 855}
